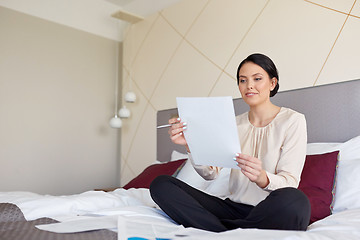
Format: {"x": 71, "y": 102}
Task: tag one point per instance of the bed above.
{"x": 330, "y": 179}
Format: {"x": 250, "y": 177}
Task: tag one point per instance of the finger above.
{"x": 181, "y": 125}
{"x": 174, "y": 137}
{"x": 249, "y": 166}
{"x": 249, "y": 160}
{"x": 252, "y": 177}
{"x": 236, "y": 158}
{"x": 176, "y": 126}
{"x": 250, "y": 170}
{"x": 239, "y": 156}
{"x": 174, "y": 120}
{"x": 248, "y": 157}
{"x": 173, "y": 132}
{"x": 173, "y": 129}
{"x": 246, "y": 163}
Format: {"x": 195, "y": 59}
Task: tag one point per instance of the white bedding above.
{"x": 137, "y": 204}
{"x": 35, "y": 206}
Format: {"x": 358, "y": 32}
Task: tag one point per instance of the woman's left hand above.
{"x": 251, "y": 167}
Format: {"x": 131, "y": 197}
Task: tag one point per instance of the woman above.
{"x": 263, "y": 193}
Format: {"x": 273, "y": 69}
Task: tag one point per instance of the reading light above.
{"x": 124, "y": 112}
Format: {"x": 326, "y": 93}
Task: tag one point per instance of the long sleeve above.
{"x": 292, "y": 157}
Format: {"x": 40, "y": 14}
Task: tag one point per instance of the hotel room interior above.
{"x": 67, "y": 67}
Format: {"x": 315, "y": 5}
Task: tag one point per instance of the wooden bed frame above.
{"x": 332, "y": 113}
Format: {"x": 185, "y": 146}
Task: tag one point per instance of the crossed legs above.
{"x": 286, "y": 208}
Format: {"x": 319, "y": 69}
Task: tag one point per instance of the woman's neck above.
{"x": 260, "y": 116}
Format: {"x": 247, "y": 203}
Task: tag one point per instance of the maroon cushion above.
{"x": 317, "y": 182}
{"x": 144, "y": 179}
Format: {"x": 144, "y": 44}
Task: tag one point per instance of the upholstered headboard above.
{"x": 332, "y": 113}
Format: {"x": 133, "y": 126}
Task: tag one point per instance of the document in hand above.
{"x": 211, "y": 132}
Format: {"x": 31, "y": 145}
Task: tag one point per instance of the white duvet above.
{"x": 35, "y": 206}
{"x": 137, "y": 204}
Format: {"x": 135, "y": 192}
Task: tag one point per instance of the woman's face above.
{"x": 255, "y": 84}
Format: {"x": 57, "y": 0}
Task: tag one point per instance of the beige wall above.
{"x": 56, "y": 99}
{"x": 194, "y": 48}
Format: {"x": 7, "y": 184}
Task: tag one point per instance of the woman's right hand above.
{"x": 176, "y": 131}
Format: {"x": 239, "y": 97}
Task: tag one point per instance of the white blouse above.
{"x": 281, "y": 146}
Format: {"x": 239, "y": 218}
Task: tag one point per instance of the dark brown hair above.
{"x": 265, "y": 63}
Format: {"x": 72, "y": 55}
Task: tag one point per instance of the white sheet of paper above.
{"x": 211, "y": 133}
{"x": 81, "y": 224}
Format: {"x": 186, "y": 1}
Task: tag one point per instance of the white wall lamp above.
{"x": 130, "y": 96}
{"x": 124, "y": 112}
{"x": 116, "y": 122}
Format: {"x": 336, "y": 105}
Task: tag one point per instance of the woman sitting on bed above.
{"x": 263, "y": 194}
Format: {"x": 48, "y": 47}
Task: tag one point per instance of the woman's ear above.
{"x": 273, "y": 83}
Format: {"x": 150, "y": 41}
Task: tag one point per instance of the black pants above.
{"x": 285, "y": 208}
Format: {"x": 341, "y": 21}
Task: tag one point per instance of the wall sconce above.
{"x": 124, "y": 112}
{"x": 130, "y": 97}
{"x": 116, "y": 122}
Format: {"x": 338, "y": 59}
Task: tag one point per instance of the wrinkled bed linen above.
{"x": 35, "y": 206}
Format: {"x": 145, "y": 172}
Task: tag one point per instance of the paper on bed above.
{"x": 81, "y": 224}
{"x": 211, "y": 131}
{"x": 105, "y": 219}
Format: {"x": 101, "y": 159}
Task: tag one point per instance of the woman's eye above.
{"x": 257, "y": 79}
{"x": 242, "y": 80}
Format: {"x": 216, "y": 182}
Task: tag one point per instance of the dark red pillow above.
{"x": 144, "y": 179}
{"x": 317, "y": 182}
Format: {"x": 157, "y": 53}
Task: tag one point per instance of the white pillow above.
{"x": 189, "y": 175}
{"x": 350, "y": 150}
{"x": 175, "y": 155}
{"x": 220, "y": 186}
{"x": 319, "y": 148}
{"x": 347, "y": 192}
